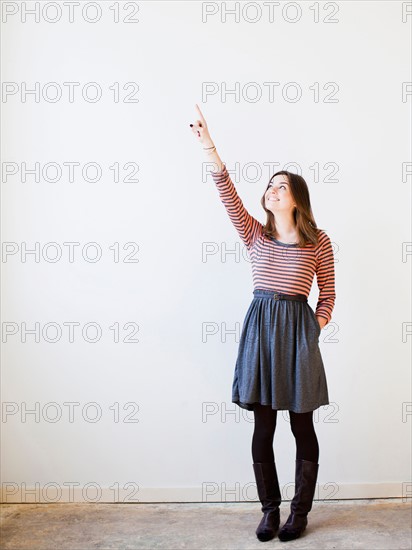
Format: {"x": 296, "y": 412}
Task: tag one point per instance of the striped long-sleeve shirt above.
{"x": 279, "y": 266}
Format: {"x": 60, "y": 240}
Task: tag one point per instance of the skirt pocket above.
{"x": 257, "y": 321}
{"x": 316, "y": 322}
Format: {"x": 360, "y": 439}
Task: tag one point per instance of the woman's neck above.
{"x": 285, "y": 228}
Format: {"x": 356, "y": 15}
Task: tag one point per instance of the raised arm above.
{"x": 247, "y": 226}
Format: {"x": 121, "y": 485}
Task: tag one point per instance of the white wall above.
{"x": 190, "y": 442}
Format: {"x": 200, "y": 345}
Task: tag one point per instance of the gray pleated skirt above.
{"x": 279, "y": 361}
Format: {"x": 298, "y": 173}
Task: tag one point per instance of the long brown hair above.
{"x": 305, "y": 222}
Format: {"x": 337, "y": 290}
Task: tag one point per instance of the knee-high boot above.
{"x": 269, "y": 495}
{"x": 306, "y": 474}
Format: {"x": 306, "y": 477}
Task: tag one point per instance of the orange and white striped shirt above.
{"x": 279, "y": 266}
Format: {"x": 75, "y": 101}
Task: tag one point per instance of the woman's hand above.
{"x": 200, "y": 129}
{"x": 201, "y": 132}
{"x": 322, "y": 321}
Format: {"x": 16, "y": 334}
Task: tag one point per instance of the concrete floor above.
{"x": 372, "y": 524}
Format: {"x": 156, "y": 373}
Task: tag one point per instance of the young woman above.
{"x": 279, "y": 365}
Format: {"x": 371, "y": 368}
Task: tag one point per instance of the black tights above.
{"x": 302, "y": 428}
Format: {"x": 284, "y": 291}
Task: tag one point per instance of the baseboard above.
{"x": 131, "y": 493}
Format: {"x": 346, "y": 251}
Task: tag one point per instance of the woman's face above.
{"x": 278, "y": 196}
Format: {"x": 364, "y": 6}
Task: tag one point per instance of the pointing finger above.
{"x": 200, "y": 113}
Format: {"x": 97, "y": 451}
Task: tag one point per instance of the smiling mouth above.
{"x": 273, "y": 199}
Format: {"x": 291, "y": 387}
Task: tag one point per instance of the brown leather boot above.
{"x": 269, "y": 495}
{"x": 306, "y": 474}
